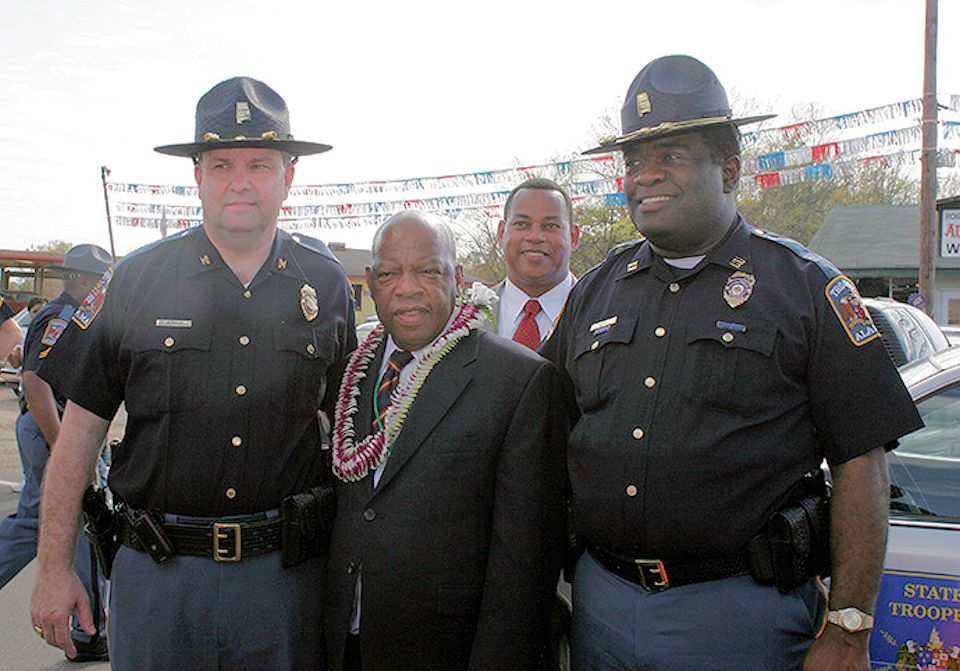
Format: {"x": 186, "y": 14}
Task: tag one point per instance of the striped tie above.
{"x": 388, "y": 383}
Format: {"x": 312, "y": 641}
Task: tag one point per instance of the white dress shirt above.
{"x": 512, "y": 300}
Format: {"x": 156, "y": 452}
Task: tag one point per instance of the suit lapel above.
{"x": 441, "y": 390}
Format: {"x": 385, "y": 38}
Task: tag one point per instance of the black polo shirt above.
{"x": 705, "y": 394}
{"x": 221, "y": 381}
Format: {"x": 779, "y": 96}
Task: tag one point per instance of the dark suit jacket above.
{"x": 461, "y": 542}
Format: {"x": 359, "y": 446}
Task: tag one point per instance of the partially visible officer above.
{"x": 537, "y": 235}
{"x": 37, "y": 428}
{"x": 10, "y": 333}
{"x": 714, "y": 365}
{"x": 222, "y": 342}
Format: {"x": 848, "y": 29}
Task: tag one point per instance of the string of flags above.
{"x": 591, "y": 180}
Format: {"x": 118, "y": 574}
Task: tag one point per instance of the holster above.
{"x": 795, "y": 543}
{"x": 146, "y": 526}
{"x": 307, "y": 524}
{"x": 100, "y": 528}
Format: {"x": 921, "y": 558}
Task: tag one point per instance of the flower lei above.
{"x": 352, "y": 461}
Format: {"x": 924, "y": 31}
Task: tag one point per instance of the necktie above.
{"x": 391, "y": 377}
{"x": 527, "y": 332}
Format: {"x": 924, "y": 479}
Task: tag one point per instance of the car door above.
{"x": 918, "y": 610}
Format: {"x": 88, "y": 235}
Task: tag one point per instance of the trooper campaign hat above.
{"x": 85, "y": 259}
{"x": 672, "y": 94}
{"x": 242, "y": 112}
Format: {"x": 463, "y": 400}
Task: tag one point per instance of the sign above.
{"x": 950, "y": 233}
{"x": 917, "y": 300}
{"x": 917, "y": 622}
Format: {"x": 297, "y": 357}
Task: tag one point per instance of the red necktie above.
{"x": 527, "y": 332}
{"x": 391, "y": 377}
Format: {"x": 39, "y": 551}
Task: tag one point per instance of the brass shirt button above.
{"x": 247, "y": 294}
{"x": 168, "y": 341}
{"x": 674, "y": 287}
{"x": 595, "y": 345}
{"x": 727, "y": 337}
{"x": 650, "y": 382}
{"x": 311, "y": 349}
{"x": 638, "y": 433}
{"x": 231, "y": 493}
{"x": 369, "y": 514}
{"x": 236, "y": 441}
{"x": 244, "y": 340}
{"x": 241, "y": 390}
{"x": 632, "y": 490}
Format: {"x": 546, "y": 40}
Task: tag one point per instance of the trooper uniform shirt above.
{"x": 45, "y": 329}
{"x": 705, "y": 394}
{"x": 221, "y": 381}
{"x": 5, "y": 311}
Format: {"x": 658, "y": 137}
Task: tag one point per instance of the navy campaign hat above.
{"x": 242, "y": 112}
{"x": 672, "y": 94}
{"x": 85, "y": 259}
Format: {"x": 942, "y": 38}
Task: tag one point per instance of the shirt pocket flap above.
{"x": 308, "y": 342}
{"x": 173, "y": 340}
{"x": 595, "y": 339}
{"x": 755, "y": 335}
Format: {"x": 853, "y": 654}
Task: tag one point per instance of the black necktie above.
{"x": 388, "y": 383}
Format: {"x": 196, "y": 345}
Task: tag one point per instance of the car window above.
{"x": 925, "y": 468}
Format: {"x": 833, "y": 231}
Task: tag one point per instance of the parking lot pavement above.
{"x": 20, "y": 648}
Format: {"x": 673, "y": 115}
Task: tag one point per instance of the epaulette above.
{"x": 798, "y": 250}
{"x": 623, "y": 247}
{"x": 314, "y": 245}
{"x": 150, "y": 246}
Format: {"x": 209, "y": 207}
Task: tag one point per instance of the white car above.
{"x": 918, "y": 612}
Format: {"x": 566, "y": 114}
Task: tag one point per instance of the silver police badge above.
{"x": 308, "y": 302}
{"x": 738, "y": 289}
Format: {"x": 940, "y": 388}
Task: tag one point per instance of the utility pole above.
{"x": 928, "y": 162}
{"x": 104, "y": 172}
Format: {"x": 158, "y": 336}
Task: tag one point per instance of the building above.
{"x": 879, "y": 247}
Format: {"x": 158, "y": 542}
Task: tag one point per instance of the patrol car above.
{"x": 918, "y": 611}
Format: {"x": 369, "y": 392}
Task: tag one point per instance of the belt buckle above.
{"x": 652, "y": 574}
{"x": 225, "y": 551}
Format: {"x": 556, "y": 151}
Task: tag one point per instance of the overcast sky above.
{"x": 401, "y": 89}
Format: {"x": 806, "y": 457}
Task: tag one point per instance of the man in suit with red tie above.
{"x": 537, "y": 235}
{"x": 449, "y": 445}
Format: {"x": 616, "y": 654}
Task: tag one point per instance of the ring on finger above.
{"x": 37, "y": 628}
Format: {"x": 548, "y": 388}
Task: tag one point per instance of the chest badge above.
{"x": 308, "y": 302}
{"x": 738, "y": 289}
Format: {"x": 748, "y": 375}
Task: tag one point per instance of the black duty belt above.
{"x": 655, "y": 575}
{"x": 221, "y": 541}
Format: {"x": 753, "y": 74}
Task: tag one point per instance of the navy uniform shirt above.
{"x": 221, "y": 382}
{"x": 5, "y": 311}
{"x": 45, "y": 329}
{"x": 705, "y": 394}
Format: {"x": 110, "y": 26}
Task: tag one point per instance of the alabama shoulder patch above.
{"x": 90, "y": 307}
{"x": 846, "y": 303}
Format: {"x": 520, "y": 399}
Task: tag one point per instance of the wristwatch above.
{"x": 850, "y": 619}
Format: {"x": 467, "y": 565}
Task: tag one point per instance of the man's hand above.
{"x": 56, "y": 594}
{"x": 838, "y": 650}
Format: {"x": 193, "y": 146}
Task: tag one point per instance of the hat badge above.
{"x": 643, "y": 104}
{"x": 243, "y": 111}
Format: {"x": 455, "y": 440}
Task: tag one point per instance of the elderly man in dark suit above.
{"x": 449, "y": 442}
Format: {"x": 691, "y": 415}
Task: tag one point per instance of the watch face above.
{"x": 851, "y": 619}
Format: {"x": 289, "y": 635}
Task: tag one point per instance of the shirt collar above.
{"x": 203, "y": 256}
{"x": 551, "y": 302}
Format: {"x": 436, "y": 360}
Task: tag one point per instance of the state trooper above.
{"x": 37, "y": 428}
{"x": 714, "y": 365}
{"x": 223, "y": 342}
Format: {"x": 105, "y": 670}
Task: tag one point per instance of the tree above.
{"x": 56, "y": 246}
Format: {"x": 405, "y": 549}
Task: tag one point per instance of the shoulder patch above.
{"x": 854, "y": 318}
{"x": 91, "y": 305}
{"x": 53, "y": 331}
{"x": 830, "y": 270}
